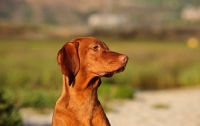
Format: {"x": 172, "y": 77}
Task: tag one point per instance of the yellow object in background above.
{"x": 192, "y": 43}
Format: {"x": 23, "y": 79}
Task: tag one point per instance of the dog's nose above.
{"x": 123, "y": 58}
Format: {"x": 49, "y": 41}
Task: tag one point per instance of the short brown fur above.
{"x": 83, "y": 62}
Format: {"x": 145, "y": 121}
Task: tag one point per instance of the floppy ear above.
{"x": 68, "y": 59}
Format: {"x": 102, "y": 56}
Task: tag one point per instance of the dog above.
{"x": 83, "y": 62}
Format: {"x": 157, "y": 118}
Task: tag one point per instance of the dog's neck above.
{"x": 80, "y": 100}
{"x": 81, "y": 92}
{"x": 81, "y": 85}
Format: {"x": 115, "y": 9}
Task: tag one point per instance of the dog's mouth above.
{"x": 123, "y": 61}
{"x": 110, "y": 74}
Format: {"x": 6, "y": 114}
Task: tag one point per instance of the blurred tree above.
{"x": 6, "y": 8}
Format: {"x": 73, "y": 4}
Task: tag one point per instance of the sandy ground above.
{"x": 150, "y": 108}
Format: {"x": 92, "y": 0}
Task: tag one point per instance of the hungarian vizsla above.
{"x": 83, "y": 62}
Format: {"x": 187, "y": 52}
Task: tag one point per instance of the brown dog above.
{"x": 83, "y": 62}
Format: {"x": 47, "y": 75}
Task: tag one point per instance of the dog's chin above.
{"x": 110, "y": 74}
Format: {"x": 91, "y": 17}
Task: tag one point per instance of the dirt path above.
{"x": 158, "y": 108}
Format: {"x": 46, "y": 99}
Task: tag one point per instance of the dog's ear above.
{"x": 68, "y": 59}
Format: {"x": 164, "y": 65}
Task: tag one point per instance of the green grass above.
{"x": 29, "y": 71}
{"x": 31, "y": 77}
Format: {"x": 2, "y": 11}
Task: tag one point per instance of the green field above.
{"x": 30, "y": 76}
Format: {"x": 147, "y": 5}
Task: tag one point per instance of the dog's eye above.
{"x": 95, "y": 48}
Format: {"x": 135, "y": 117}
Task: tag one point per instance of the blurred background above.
{"x": 161, "y": 38}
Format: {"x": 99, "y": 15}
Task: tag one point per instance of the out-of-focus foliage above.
{"x": 9, "y": 115}
{"x": 124, "y": 18}
{"x": 73, "y": 12}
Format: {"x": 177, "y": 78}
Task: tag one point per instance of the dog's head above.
{"x": 89, "y": 56}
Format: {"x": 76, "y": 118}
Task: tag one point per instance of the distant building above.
{"x": 191, "y": 13}
{"x": 106, "y": 21}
